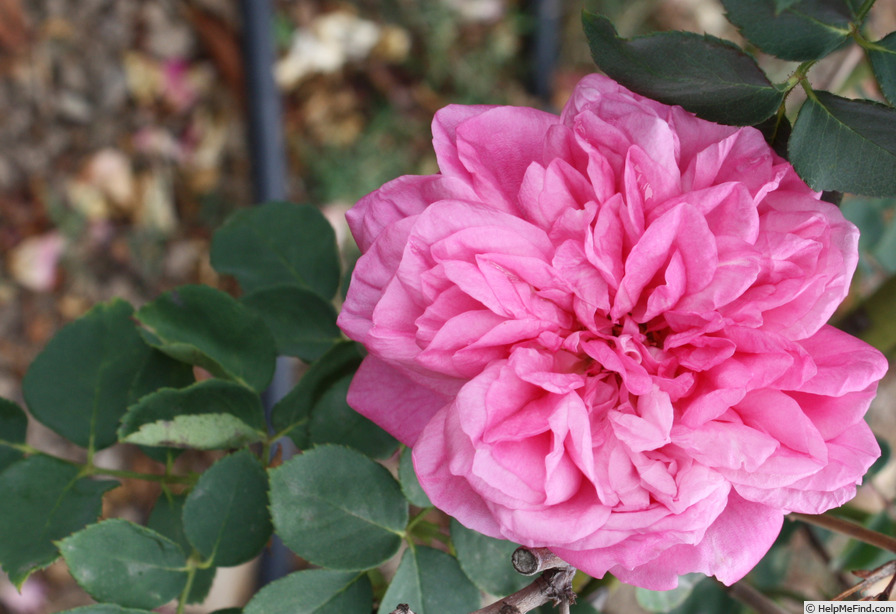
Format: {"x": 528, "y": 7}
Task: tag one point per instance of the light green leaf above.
{"x": 122, "y": 562}
{"x": 43, "y": 500}
{"x": 708, "y": 76}
{"x": 206, "y": 327}
{"x": 212, "y": 414}
{"x": 226, "y": 515}
{"x": 845, "y": 145}
{"x": 805, "y": 30}
{"x": 314, "y": 591}
{"x": 278, "y": 243}
{"x": 13, "y": 428}
{"x": 486, "y": 561}
{"x": 336, "y": 508}
{"x": 303, "y": 324}
{"x": 430, "y": 582}
{"x": 78, "y": 385}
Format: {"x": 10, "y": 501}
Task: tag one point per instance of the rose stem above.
{"x": 847, "y": 527}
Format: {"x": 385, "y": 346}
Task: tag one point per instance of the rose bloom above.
{"x": 604, "y": 333}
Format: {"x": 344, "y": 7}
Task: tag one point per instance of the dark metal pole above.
{"x": 267, "y": 156}
{"x": 546, "y": 46}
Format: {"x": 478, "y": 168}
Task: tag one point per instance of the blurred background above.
{"x": 123, "y": 145}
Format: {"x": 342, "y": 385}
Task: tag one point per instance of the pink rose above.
{"x": 604, "y": 333}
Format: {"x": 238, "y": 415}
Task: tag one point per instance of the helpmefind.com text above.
{"x": 840, "y": 607}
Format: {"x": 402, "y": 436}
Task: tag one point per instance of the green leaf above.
{"x": 316, "y": 411}
{"x": 226, "y": 515}
{"x": 314, "y": 591}
{"x": 337, "y": 508}
{"x": 410, "y": 485}
{"x": 228, "y": 611}
{"x": 333, "y": 421}
{"x": 206, "y": 327}
{"x": 43, "y": 500}
{"x": 167, "y": 519}
{"x": 122, "y": 562}
{"x": 430, "y": 582}
{"x": 708, "y": 76}
{"x": 292, "y": 414}
{"x": 78, "y": 385}
{"x": 160, "y": 371}
{"x": 278, "y": 243}
{"x": 708, "y": 596}
{"x": 13, "y": 428}
{"x": 486, "y": 561}
{"x": 303, "y": 324}
{"x": 105, "y": 608}
{"x": 782, "y": 5}
{"x": 806, "y": 30}
{"x": 845, "y": 145}
{"x": 663, "y": 601}
{"x": 882, "y": 56}
{"x": 882, "y": 460}
{"x": 212, "y": 414}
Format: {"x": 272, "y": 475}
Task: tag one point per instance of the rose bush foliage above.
{"x": 605, "y": 333}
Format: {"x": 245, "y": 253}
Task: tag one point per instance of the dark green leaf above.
{"x": 315, "y": 411}
{"x": 410, "y": 485}
{"x": 708, "y": 76}
{"x": 43, "y": 500}
{"x": 708, "y": 596}
{"x": 124, "y": 563}
{"x": 105, "y": 608}
{"x": 333, "y": 421}
{"x": 882, "y": 55}
{"x": 845, "y": 145}
{"x": 781, "y": 5}
{"x": 167, "y": 519}
{"x": 228, "y": 611}
{"x": 430, "y": 582}
{"x": 337, "y": 508}
{"x": 663, "y": 601}
{"x": 486, "y": 561}
{"x": 278, "y": 243}
{"x": 303, "y": 324}
{"x": 806, "y": 30}
{"x": 78, "y": 385}
{"x": 13, "y": 427}
{"x": 882, "y": 460}
{"x": 314, "y": 591}
{"x": 206, "y": 327}
{"x": 226, "y": 515}
{"x": 160, "y": 371}
{"x": 212, "y": 414}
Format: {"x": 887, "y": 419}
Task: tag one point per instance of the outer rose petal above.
{"x": 603, "y": 333}
{"x": 391, "y": 400}
{"x": 731, "y": 547}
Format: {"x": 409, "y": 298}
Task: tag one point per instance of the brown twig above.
{"x": 869, "y": 579}
{"x": 847, "y": 527}
{"x": 749, "y": 596}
